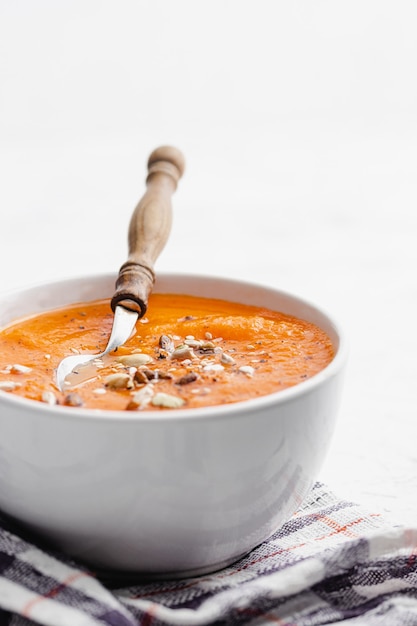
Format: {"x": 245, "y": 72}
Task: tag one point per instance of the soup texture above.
{"x": 187, "y": 352}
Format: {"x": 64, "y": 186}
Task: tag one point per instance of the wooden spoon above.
{"x": 149, "y": 229}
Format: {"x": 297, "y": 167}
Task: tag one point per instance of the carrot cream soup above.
{"x": 187, "y": 352}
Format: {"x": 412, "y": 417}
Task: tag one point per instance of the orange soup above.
{"x": 187, "y": 352}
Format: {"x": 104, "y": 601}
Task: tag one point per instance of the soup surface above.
{"x": 187, "y": 352}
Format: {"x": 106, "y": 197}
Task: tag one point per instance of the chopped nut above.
{"x": 73, "y": 399}
{"x": 134, "y": 360}
{"x": 156, "y": 375}
{"x": 20, "y": 369}
{"x": 118, "y": 381}
{"x": 208, "y": 336}
{"x": 99, "y": 391}
{"x": 140, "y": 377}
{"x": 163, "y": 375}
{"x": 187, "y": 378}
{"x": 8, "y": 385}
{"x": 141, "y": 398}
{"x": 183, "y": 352}
{"x": 49, "y": 397}
{"x": 167, "y": 401}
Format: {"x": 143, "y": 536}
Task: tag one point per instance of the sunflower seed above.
{"x": 166, "y": 343}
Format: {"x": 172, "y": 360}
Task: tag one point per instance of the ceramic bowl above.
{"x": 170, "y": 493}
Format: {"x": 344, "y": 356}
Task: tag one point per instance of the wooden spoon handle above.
{"x": 149, "y": 229}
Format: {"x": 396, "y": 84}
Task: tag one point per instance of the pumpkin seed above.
{"x": 134, "y": 360}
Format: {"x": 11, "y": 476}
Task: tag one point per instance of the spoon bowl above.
{"x": 73, "y": 369}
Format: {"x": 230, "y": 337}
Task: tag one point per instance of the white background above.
{"x": 298, "y": 123}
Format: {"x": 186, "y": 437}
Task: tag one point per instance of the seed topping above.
{"x": 49, "y": 397}
{"x": 167, "y": 401}
{"x": 119, "y": 381}
{"x": 247, "y": 369}
{"x": 183, "y": 352}
{"x": 187, "y": 378}
{"x": 20, "y": 369}
{"x": 134, "y": 360}
{"x": 8, "y": 385}
{"x": 73, "y": 399}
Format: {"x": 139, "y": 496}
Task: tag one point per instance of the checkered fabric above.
{"x": 332, "y": 563}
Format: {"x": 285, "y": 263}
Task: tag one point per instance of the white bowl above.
{"x": 175, "y": 492}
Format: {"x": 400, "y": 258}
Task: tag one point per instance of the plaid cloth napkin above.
{"x": 332, "y": 563}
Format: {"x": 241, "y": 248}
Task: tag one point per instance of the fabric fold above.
{"x": 332, "y": 562}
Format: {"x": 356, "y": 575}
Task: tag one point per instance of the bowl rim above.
{"x": 211, "y": 412}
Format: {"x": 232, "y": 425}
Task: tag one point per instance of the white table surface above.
{"x": 298, "y": 122}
